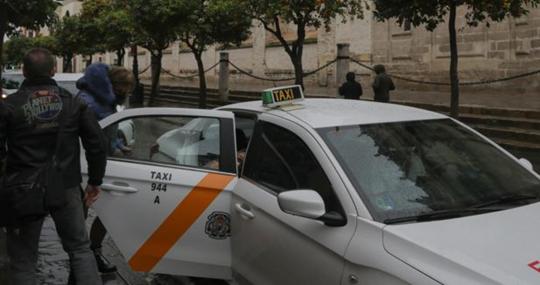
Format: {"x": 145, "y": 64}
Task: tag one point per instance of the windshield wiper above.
{"x": 508, "y": 199}
{"x": 439, "y": 215}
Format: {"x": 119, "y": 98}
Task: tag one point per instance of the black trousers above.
{"x": 23, "y": 242}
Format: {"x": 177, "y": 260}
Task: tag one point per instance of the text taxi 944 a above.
{"x": 322, "y": 191}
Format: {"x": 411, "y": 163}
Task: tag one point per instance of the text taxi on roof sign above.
{"x": 336, "y": 192}
{"x": 281, "y": 96}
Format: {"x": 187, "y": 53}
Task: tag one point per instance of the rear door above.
{"x": 167, "y": 189}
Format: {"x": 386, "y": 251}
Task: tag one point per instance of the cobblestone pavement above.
{"x": 53, "y": 262}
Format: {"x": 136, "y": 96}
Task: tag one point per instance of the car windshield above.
{"x": 408, "y": 170}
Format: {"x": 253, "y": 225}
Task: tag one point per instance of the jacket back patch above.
{"x": 43, "y": 106}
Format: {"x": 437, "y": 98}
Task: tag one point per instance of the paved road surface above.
{"x": 53, "y": 261}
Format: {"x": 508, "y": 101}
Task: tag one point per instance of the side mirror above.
{"x": 525, "y": 162}
{"x": 303, "y": 203}
{"x": 309, "y": 204}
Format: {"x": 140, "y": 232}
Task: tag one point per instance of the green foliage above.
{"x": 302, "y": 13}
{"x": 432, "y": 13}
{"x": 113, "y": 21}
{"x": 30, "y": 14}
{"x": 210, "y": 22}
{"x": 312, "y": 13}
{"x": 156, "y": 22}
{"x": 215, "y": 21}
{"x": 74, "y": 35}
{"x": 17, "y": 46}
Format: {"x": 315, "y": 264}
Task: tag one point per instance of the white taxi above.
{"x": 323, "y": 191}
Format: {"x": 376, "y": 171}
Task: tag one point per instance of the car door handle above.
{"x": 246, "y": 213}
{"x": 119, "y": 188}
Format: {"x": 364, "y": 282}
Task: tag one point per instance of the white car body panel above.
{"x": 494, "y": 248}
{"x": 322, "y": 113}
{"x": 141, "y": 227}
{"x": 269, "y": 246}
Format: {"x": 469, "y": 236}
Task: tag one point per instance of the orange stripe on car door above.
{"x": 178, "y": 222}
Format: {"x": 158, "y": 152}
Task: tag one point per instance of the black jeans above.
{"x": 23, "y": 242}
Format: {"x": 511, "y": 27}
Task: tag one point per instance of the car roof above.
{"x": 67, "y": 76}
{"x": 327, "y": 112}
{"x": 57, "y": 76}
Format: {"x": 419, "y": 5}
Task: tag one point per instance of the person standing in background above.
{"x": 382, "y": 84}
{"x": 351, "y": 89}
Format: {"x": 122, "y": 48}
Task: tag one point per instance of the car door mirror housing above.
{"x": 333, "y": 219}
{"x": 525, "y": 162}
{"x": 303, "y": 203}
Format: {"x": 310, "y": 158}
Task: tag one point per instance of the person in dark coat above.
{"x": 382, "y": 84}
{"x": 30, "y": 120}
{"x": 350, "y": 89}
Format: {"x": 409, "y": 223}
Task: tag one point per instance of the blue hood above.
{"x": 96, "y": 82}
{"x": 95, "y": 88}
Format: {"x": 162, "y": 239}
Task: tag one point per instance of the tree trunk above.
{"x": 454, "y": 78}
{"x": 298, "y": 70}
{"x": 2, "y": 33}
{"x": 156, "y": 72}
{"x": 138, "y": 92}
{"x": 120, "y": 56}
{"x": 202, "y": 80}
{"x": 135, "y": 67}
{"x": 297, "y": 53}
{"x": 67, "y": 64}
{"x": 89, "y": 61}
{"x": 3, "y": 30}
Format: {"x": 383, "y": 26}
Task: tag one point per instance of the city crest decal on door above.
{"x": 218, "y": 225}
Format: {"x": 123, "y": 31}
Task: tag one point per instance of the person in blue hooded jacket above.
{"x": 103, "y": 88}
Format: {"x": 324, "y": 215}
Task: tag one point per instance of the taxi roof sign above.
{"x": 279, "y": 96}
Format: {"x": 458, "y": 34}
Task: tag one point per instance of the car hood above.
{"x": 496, "y": 248}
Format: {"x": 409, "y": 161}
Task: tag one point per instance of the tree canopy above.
{"x": 17, "y": 46}
{"x": 73, "y": 35}
{"x": 222, "y": 22}
{"x": 31, "y": 14}
{"x": 113, "y": 22}
{"x": 155, "y": 26}
{"x": 302, "y": 13}
{"x": 432, "y": 13}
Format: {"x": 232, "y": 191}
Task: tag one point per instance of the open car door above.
{"x": 166, "y": 198}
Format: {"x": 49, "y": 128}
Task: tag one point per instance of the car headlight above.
{"x": 4, "y": 96}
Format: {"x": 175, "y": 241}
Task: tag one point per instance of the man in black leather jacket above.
{"x": 29, "y": 123}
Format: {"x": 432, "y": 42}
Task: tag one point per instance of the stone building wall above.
{"x": 503, "y": 49}
{"x": 261, "y": 55}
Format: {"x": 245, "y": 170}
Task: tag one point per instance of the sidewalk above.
{"x": 526, "y": 101}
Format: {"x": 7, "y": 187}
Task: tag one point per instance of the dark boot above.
{"x": 104, "y": 266}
